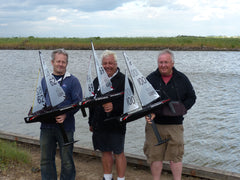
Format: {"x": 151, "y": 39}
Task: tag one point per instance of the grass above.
{"x": 10, "y": 154}
{"x": 128, "y": 43}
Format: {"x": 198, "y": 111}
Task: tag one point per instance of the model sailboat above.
{"x": 149, "y": 98}
{"x": 105, "y": 86}
{"x": 40, "y": 112}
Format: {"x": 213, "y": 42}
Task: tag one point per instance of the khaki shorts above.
{"x": 173, "y": 150}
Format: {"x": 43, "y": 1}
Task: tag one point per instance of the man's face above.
{"x": 59, "y": 64}
{"x": 109, "y": 65}
{"x": 165, "y": 64}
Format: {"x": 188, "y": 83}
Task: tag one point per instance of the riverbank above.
{"x": 183, "y": 43}
{"x": 88, "y": 165}
{"x": 87, "y": 168}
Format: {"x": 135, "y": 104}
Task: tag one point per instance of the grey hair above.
{"x": 167, "y": 51}
{"x": 59, "y": 51}
{"x": 108, "y": 53}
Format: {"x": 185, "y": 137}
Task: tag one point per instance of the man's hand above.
{"x": 61, "y": 118}
{"x": 149, "y": 118}
{"x": 108, "y": 107}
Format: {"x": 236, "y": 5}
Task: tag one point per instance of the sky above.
{"x": 119, "y": 18}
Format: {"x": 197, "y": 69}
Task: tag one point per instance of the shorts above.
{"x": 172, "y": 150}
{"x": 108, "y": 142}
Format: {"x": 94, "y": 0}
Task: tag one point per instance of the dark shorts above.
{"x": 108, "y": 141}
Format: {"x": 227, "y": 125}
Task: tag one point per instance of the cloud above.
{"x": 81, "y": 5}
{"x": 81, "y": 18}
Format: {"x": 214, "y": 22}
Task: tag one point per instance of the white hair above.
{"x": 167, "y": 51}
{"x": 108, "y": 53}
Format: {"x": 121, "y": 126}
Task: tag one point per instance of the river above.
{"x": 211, "y": 127}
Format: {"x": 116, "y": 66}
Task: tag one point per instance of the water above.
{"x": 211, "y": 126}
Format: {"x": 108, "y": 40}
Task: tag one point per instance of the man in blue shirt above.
{"x": 50, "y": 134}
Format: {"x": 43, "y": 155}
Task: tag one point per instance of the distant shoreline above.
{"x": 178, "y": 43}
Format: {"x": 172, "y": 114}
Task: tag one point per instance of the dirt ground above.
{"x": 87, "y": 168}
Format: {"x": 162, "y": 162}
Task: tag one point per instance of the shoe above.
{"x": 104, "y": 178}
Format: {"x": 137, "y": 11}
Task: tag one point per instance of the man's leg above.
{"x": 48, "y": 152}
{"x": 68, "y": 171}
{"x": 107, "y": 162}
{"x": 156, "y": 169}
{"x": 176, "y": 170}
{"x": 121, "y": 164}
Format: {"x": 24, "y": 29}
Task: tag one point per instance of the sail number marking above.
{"x": 40, "y": 97}
{"x": 130, "y": 98}
{"x": 141, "y": 81}
{"x": 101, "y": 70}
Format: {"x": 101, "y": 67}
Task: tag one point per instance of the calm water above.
{"x": 211, "y": 126}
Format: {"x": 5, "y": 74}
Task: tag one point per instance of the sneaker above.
{"x": 104, "y": 178}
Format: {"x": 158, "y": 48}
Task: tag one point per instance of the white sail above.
{"x": 103, "y": 79}
{"x": 89, "y": 88}
{"x": 39, "y": 101}
{"x": 130, "y": 103}
{"x": 55, "y": 91}
{"x": 146, "y": 93}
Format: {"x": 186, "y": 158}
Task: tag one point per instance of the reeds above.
{"x": 128, "y": 43}
{"x": 10, "y": 153}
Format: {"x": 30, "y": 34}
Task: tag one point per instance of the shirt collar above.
{"x": 114, "y": 74}
{"x": 67, "y": 74}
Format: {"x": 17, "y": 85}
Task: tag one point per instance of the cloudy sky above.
{"x": 119, "y": 18}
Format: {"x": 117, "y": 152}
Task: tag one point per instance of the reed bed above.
{"x": 128, "y": 43}
{"x": 10, "y": 154}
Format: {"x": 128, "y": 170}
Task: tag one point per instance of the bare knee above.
{"x": 156, "y": 169}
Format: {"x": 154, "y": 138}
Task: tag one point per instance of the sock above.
{"x": 123, "y": 178}
{"x": 107, "y": 176}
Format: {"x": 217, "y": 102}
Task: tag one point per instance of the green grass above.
{"x": 10, "y": 153}
{"x": 133, "y": 43}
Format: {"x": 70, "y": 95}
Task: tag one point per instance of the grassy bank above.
{"x": 138, "y": 43}
{"x": 11, "y": 154}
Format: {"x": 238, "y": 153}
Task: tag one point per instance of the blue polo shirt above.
{"x": 73, "y": 92}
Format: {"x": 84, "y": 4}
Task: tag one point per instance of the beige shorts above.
{"x": 173, "y": 150}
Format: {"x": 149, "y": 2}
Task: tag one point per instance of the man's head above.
{"x": 165, "y": 62}
{"x": 59, "y": 61}
{"x": 109, "y": 62}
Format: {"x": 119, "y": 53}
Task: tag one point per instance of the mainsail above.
{"x": 130, "y": 103}
{"x": 39, "y": 101}
{"x": 146, "y": 93}
{"x": 56, "y": 93}
{"x": 103, "y": 79}
{"x": 89, "y": 88}
{"x": 147, "y": 96}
